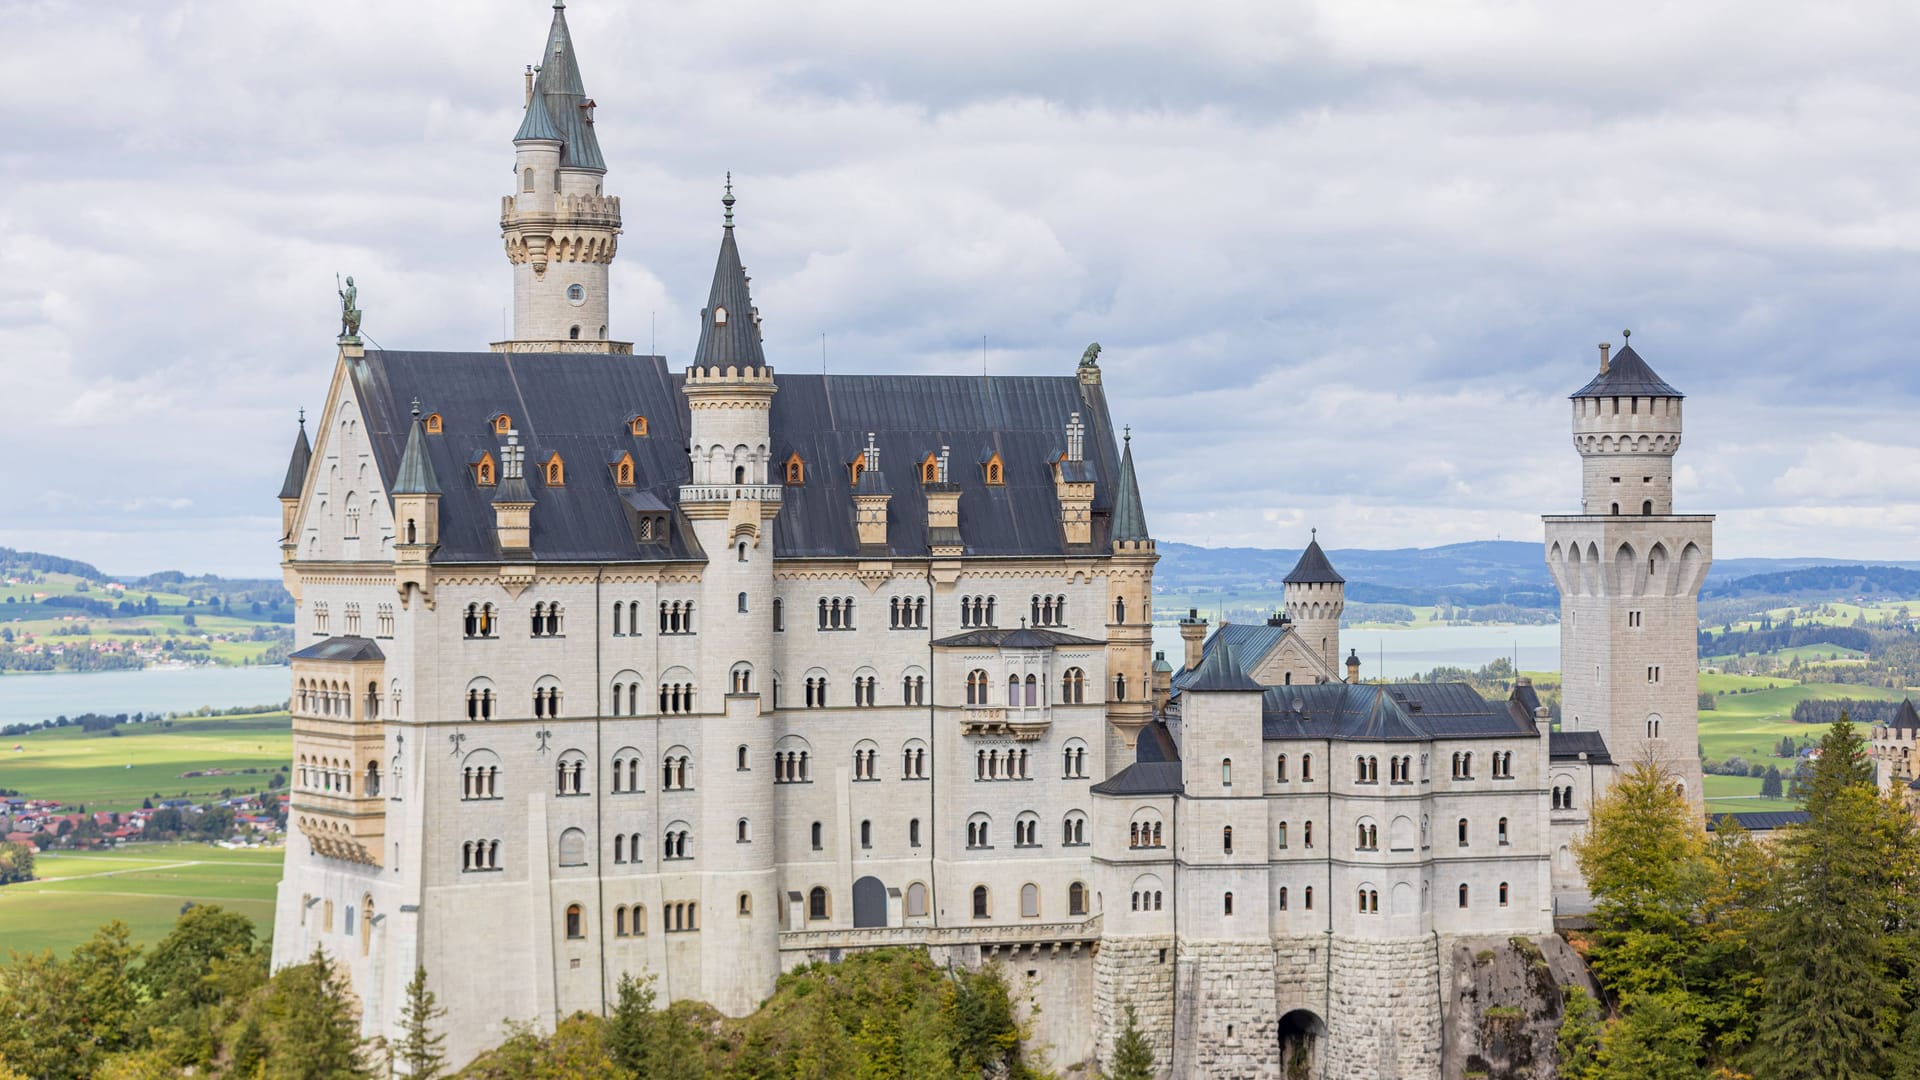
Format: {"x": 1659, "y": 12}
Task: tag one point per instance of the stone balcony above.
{"x": 1024, "y": 725}
{"x": 986, "y": 936}
{"x": 726, "y": 493}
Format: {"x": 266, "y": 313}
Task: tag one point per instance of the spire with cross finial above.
{"x": 296, "y": 479}
{"x": 727, "y": 200}
{"x": 1129, "y": 517}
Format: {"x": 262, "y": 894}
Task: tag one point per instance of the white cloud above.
{"x": 1346, "y": 257}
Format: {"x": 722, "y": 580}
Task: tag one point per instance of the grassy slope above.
{"x": 1751, "y": 725}
{"x": 142, "y": 885}
{"x": 75, "y": 767}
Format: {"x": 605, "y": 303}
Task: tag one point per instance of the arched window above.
{"x": 1503, "y": 894}
{"x": 526, "y": 180}
{"x": 1119, "y": 609}
{"x": 1226, "y": 904}
{"x": 1501, "y": 831}
{"x": 1073, "y": 687}
{"x": 1119, "y": 686}
{"x": 817, "y": 903}
{"x": 434, "y": 424}
{"x": 1306, "y": 768}
{"x": 1463, "y": 895}
{"x": 744, "y": 905}
{"x": 815, "y": 835}
{"x": 980, "y": 902}
{"x": 866, "y": 834}
{"x": 1226, "y": 840}
{"x": 916, "y": 900}
{"x": 576, "y": 926}
{"x": 1076, "y": 899}
{"x": 1646, "y": 508}
{"x": 1226, "y": 772}
{"x": 1463, "y": 832}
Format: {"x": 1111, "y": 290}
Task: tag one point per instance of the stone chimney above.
{"x": 1073, "y": 487}
{"x": 943, "y": 511}
{"x": 870, "y": 498}
{"x": 1605, "y": 348}
{"x": 1193, "y": 634}
{"x": 1353, "y": 667}
{"x": 1162, "y": 681}
{"x": 512, "y": 501}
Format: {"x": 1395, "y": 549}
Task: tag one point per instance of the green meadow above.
{"x": 1752, "y": 724}
{"x": 143, "y": 885}
{"x": 109, "y": 772}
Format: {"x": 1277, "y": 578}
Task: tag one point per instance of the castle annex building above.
{"x": 609, "y": 667}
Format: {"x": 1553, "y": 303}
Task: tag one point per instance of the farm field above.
{"x": 1752, "y": 724}
{"x": 1735, "y": 794}
{"x": 142, "y": 885}
{"x": 106, "y": 772}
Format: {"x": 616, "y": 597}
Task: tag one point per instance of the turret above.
{"x": 1316, "y": 594}
{"x": 292, "y": 486}
{"x": 1162, "y": 680}
{"x": 1193, "y": 635}
{"x": 1626, "y": 425}
{"x": 416, "y": 511}
{"x": 561, "y": 229}
{"x": 1130, "y": 603}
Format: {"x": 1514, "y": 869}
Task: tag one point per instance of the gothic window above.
{"x": 637, "y": 425}
{"x": 976, "y": 687}
{"x": 1119, "y": 686}
{"x": 996, "y": 471}
{"x": 1119, "y": 609}
{"x": 502, "y": 424}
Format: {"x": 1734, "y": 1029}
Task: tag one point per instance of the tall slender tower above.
{"x": 1130, "y": 618}
{"x": 561, "y": 229}
{"x": 1315, "y": 595}
{"x": 1629, "y": 572}
{"x": 731, "y": 505}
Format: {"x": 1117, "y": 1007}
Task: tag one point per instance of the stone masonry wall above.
{"x": 1131, "y": 971}
{"x": 1227, "y": 1017}
{"x": 1384, "y": 1021}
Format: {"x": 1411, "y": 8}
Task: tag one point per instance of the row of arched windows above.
{"x": 480, "y": 782}
{"x": 546, "y": 620}
{"x": 479, "y": 855}
{"x": 836, "y": 613}
{"x": 1049, "y": 611}
{"x": 480, "y": 621}
{"x": 676, "y": 616}
{"x": 977, "y": 611}
{"x": 908, "y": 613}
{"x": 1563, "y": 798}
{"x": 1025, "y": 692}
{"x": 993, "y": 765}
{"x": 334, "y": 775}
{"x": 329, "y": 698}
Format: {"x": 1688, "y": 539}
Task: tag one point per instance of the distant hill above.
{"x": 199, "y": 587}
{"x": 1502, "y": 572}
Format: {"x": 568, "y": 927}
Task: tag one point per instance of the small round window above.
{"x": 577, "y": 293}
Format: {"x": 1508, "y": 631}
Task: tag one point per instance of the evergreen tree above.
{"x": 1770, "y": 785}
{"x": 1655, "y": 1040}
{"x": 1842, "y": 918}
{"x": 1578, "y": 1042}
{"x": 421, "y": 1048}
{"x": 302, "y": 1027}
{"x": 1132, "y": 1053}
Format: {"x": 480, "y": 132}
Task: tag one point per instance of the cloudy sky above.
{"x": 1346, "y": 259}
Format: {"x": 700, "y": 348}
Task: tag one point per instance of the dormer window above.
{"x": 483, "y": 471}
{"x": 638, "y": 426}
{"x": 586, "y": 110}
{"x": 556, "y": 471}
{"x": 996, "y": 471}
{"x": 796, "y": 471}
{"x": 856, "y": 467}
{"x": 622, "y": 470}
{"x": 502, "y": 423}
{"x": 719, "y": 316}
{"x": 930, "y": 470}
{"x": 434, "y": 425}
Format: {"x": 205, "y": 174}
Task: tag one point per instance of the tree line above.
{"x": 1727, "y": 957}
{"x": 1828, "y": 710}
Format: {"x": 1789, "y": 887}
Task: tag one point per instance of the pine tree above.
{"x": 1842, "y": 912}
{"x": 1655, "y": 1040}
{"x": 421, "y": 1048}
{"x": 1132, "y": 1053}
{"x": 1578, "y": 1041}
{"x": 1770, "y": 785}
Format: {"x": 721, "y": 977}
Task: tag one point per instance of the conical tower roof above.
{"x": 1313, "y": 568}
{"x": 1129, "y": 519}
{"x": 729, "y": 326}
{"x": 297, "y": 464}
{"x": 1627, "y": 376}
{"x": 560, "y": 109}
{"x": 416, "y": 476}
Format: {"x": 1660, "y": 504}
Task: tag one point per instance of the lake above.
{"x": 1401, "y": 653}
{"x": 30, "y": 698}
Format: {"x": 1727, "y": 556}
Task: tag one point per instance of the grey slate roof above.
{"x": 1389, "y": 711}
{"x": 1219, "y": 672}
{"x": 1021, "y": 638}
{"x": 1313, "y": 568}
{"x": 1760, "y": 820}
{"x": 1569, "y": 745}
{"x": 341, "y": 647}
{"x": 1143, "y": 778}
{"x": 416, "y": 476}
{"x": 559, "y": 96}
{"x": 1627, "y": 376}
{"x": 1155, "y": 743}
{"x": 297, "y": 464}
{"x": 580, "y": 405}
{"x": 1129, "y": 519}
{"x": 736, "y": 342}
{"x": 1251, "y": 644}
{"x": 1906, "y": 717}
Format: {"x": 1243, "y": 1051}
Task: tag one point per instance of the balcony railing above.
{"x": 712, "y": 493}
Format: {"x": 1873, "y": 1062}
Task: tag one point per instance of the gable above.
{"x": 344, "y": 513}
{"x": 1291, "y": 656}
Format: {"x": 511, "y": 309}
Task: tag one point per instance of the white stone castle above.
{"x": 610, "y": 669}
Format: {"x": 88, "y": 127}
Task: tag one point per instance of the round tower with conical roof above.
{"x": 561, "y": 228}
{"x": 1626, "y": 425}
{"x": 1316, "y": 594}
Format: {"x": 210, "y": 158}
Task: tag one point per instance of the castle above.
{"x": 608, "y": 668}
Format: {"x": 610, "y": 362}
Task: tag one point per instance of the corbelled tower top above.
{"x": 1626, "y": 425}
{"x": 561, "y": 228}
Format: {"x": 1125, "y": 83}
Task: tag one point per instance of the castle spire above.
{"x": 1129, "y": 519}
{"x": 416, "y": 475}
{"x": 729, "y": 324}
{"x": 297, "y": 464}
{"x": 560, "y": 110}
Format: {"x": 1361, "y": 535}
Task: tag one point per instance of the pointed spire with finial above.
{"x": 416, "y": 475}
{"x": 297, "y": 464}
{"x": 1314, "y": 568}
{"x": 559, "y": 110}
{"x": 1129, "y": 518}
{"x": 730, "y": 324}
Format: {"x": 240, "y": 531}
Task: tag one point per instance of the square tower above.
{"x": 1629, "y": 572}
